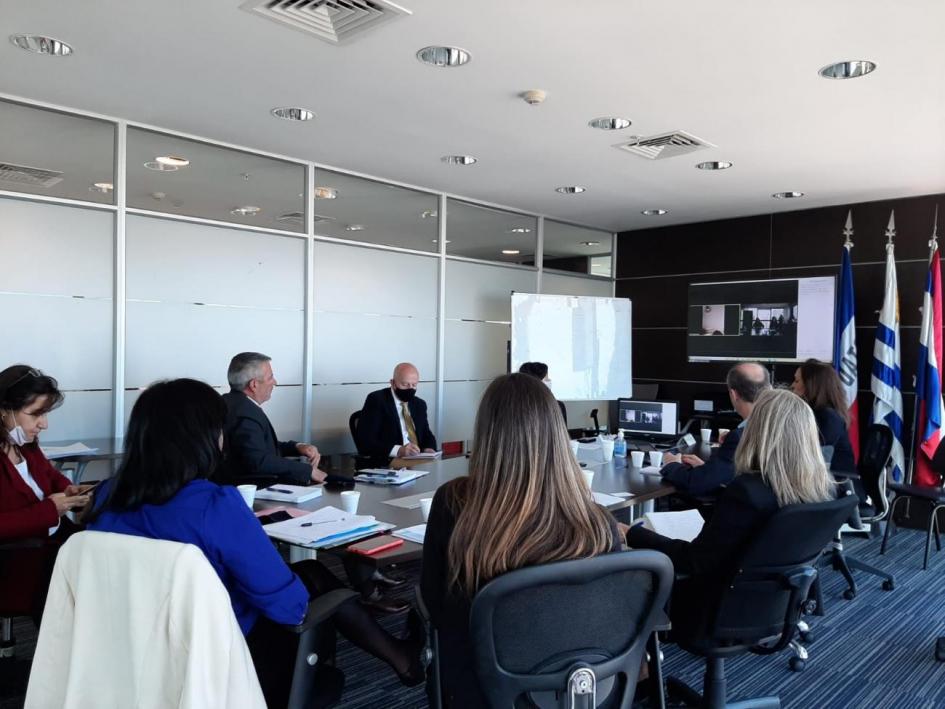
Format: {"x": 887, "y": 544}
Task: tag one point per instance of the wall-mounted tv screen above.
{"x": 779, "y": 320}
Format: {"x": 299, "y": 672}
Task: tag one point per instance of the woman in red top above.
{"x": 34, "y": 496}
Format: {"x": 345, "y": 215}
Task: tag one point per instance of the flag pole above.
{"x": 848, "y": 230}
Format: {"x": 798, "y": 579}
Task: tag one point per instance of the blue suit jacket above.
{"x": 707, "y": 479}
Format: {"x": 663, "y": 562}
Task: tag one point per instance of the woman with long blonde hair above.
{"x": 523, "y": 503}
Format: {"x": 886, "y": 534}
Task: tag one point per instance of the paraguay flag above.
{"x": 844, "y": 346}
{"x": 886, "y": 379}
{"x": 928, "y": 385}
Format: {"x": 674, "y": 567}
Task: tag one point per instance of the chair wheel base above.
{"x": 797, "y": 664}
{"x": 849, "y": 594}
{"x": 806, "y": 636}
{"x": 888, "y": 585}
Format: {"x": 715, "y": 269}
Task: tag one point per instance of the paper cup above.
{"x": 636, "y": 457}
{"x": 575, "y": 445}
{"x": 248, "y": 492}
{"x": 607, "y": 446}
{"x": 723, "y": 432}
{"x": 349, "y": 501}
{"x": 656, "y": 458}
{"x": 425, "y": 503}
{"x": 706, "y": 434}
{"x": 588, "y": 478}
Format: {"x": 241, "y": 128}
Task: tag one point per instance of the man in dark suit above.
{"x": 393, "y": 421}
{"x": 252, "y": 448}
{"x": 689, "y": 473}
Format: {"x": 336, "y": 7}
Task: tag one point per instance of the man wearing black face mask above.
{"x": 393, "y": 421}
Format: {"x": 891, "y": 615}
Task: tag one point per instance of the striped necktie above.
{"x": 408, "y": 422}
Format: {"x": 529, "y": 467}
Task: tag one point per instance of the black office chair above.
{"x": 758, "y": 608}
{"x": 545, "y": 635}
{"x": 934, "y": 497}
{"x": 353, "y": 427}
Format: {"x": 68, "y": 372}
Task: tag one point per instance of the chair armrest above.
{"x": 321, "y": 609}
{"x": 662, "y": 622}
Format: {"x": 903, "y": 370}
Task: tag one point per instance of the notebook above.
{"x": 385, "y": 476}
{"x": 413, "y": 534}
{"x": 325, "y": 527}
{"x": 293, "y": 494}
{"x": 423, "y": 456}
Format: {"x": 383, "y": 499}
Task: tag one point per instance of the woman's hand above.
{"x": 64, "y": 502}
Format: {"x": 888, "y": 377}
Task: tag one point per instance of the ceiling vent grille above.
{"x": 33, "y": 176}
{"x": 664, "y": 145}
{"x": 334, "y": 21}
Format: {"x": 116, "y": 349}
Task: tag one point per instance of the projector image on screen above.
{"x": 780, "y": 320}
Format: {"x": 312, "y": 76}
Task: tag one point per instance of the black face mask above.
{"x": 405, "y": 394}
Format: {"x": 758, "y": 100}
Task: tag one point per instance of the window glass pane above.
{"x": 56, "y": 154}
{"x": 356, "y": 209}
{"x": 577, "y": 249}
{"x": 216, "y": 183}
{"x": 490, "y": 234}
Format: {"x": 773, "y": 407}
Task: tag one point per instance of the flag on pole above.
{"x": 928, "y": 385}
{"x": 844, "y": 339}
{"x": 886, "y": 379}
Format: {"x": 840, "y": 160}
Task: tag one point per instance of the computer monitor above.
{"x": 648, "y": 418}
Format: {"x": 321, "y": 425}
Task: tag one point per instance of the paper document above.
{"x": 684, "y": 525}
{"x": 411, "y": 502}
{"x": 650, "y": 470}
{"x": 413, "y": 534}
{"x": 53, "y": 452}
{"x": 293, "y": 494}
{"x": 423, "y": 456}
{"x": 606, "y": 500}
{"x": 322, "y": 526}
{"x": 383, "y": 476}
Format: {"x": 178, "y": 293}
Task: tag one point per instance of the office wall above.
{"x": 655, "y": 266}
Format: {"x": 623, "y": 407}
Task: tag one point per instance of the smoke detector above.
{"x": 533, "y": 97}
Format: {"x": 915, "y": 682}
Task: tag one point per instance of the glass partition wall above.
{"x": 135, "y": 254}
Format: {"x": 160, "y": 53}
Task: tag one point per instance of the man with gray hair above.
{"x": 694, "y": 476}
{"x": 252, "y": 448}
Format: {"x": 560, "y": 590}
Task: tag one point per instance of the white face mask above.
{"x": 17, "y": 435}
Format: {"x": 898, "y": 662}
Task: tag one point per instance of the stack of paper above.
{"x": 684, "y": 525}
{"x": 605, "y": 500}
{"x": 328, "y": 526}
{"x": 293, "y": 494}
{"x": 385, "y": 476}
{"x": 413, "y": 534}
{"x": 53, "y": 452}
{"x": 423, "y": 456}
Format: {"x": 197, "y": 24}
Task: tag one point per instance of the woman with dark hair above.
{"x": 34, "y": 496}
{"x": 819, "y": 385}
{"x": 162, "y": 490}
{"x": 524, "y": 503}
{"x": 539, "y": 370}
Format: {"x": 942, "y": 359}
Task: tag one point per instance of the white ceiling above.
{"x": 741, "y": 74}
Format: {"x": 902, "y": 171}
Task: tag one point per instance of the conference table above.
{"x": 106, "y": 449}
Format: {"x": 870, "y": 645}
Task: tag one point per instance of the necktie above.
{"x": 408, "y": 422}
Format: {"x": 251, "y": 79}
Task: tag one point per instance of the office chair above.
{"x": 934, "y": 496}
{"x": 353, "y": 426}
{"x": 757, "y": 610}
{"x": 24, "y": 561}
{"x": 546, "y": 635}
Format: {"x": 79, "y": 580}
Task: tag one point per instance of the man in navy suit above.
{"x": 694, "y": 476}
{"x": 252, "y": 448}
{"x": 393, "y": 421}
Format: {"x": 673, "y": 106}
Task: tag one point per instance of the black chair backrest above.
{"x": 353, "y": 427}
{"x": 874, "y": 454}
{"x": 772, "y": 579}
{"x": 533, "y": 627}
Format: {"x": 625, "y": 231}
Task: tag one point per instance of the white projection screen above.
{"x": 584, "y": 340}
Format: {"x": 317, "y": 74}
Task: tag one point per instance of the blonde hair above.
{"x": 525, "y": 501}
{"x": 781, "y": 443}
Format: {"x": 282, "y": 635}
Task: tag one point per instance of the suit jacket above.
{"x": 22, "y": 515}
{"x": 251, "y": 448}
{"x": 379, "y": 424}
{"x": 709, "y": 478}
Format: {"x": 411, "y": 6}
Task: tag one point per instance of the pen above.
{"x": 324, "y": 521}
{"x": 279, "y": 489}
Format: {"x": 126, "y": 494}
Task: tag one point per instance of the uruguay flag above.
{"x": 886, "y": 379}
{"x": 928, "y": 385}
{"x": 844, "y": 345}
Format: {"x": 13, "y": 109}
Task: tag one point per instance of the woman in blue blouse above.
{"x": 162, "y": 491}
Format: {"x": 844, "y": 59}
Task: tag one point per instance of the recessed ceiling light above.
{"x": 39, "y": 44}
{"x": 511, "y": 252}
{"x": 607, "y": 123}
{"x": 519, "y": 230}
{"x": 354, "y": 227}
{"x": 325, "y": 193}
{"x": 714, "y": 165}
{"x": 590, "y": 243}
{"x": 290, "y": 113}
{"x": 574, "y": 189}
{"x": 850, "y": 69}
{"x": 787, "y": 195}
{"x": 172, "y": 160}
{"x": 103, "y": 187}
{"x": 429, "y": 214}
{"x": 160, "y": 167}
{"x": 443, "y": 56}
{"x": 653, "y": 212}
{"x": 459, "y": 159}
{"x": 248, "y": 211}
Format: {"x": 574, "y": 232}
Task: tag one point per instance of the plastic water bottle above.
{"x": 620, "y": 445}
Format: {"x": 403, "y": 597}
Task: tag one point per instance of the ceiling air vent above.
{"x": 334, "y": 21}
{"x": 33, "y": 176}
{"x": 664, "y": 145}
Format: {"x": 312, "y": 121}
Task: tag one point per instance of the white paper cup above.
{"x": 588, "y": 478}
{"x": 706, "y": 434}
{"x": 656, "y": 458}
{"x": 349, "y": 501}
{"x": 636, "y": 457}
{"x": 575, "y": 445}
{"x": 607, "y": 446}
{"x": 248, "y": 492}
{"x": 723, "y": 432}
{"x": 425, "y": 503}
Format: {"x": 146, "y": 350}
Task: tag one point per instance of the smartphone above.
{"x": 280, "y": 516}
{"x": 376, "y": 545}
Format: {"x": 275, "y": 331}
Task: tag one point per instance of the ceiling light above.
{"x": 850, "y": 69}
{"x": 290, "y": 113}
{"x": 787, "y": 195}
{"x": 160, "y": 167}
{"x": 511, "y": 252}
{"x": 325, "y": 193}
{"x": 248, "y": 211}
{"x": 609, "y": 123}
{"x": 519, "y": 230}
{"x": 172, "y": 160}
{"x": 295, "y": 218}
{"x": 103, "y": 187}
{"x": 428, "y": 214}
{"x": 443, "y": 56}
{"x": 354, "y": 227}
{"x": 459, "y": 159}
{"x": 590, "y": 243}
{"x": 714, "y": 165}
{"x": 39, "y": 44}
{"x": 575, "y": 189}
{"x": 653, "y": 212}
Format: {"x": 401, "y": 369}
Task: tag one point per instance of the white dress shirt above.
{"x": 23, "y": 469}
{"x": 405, "y": 437}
